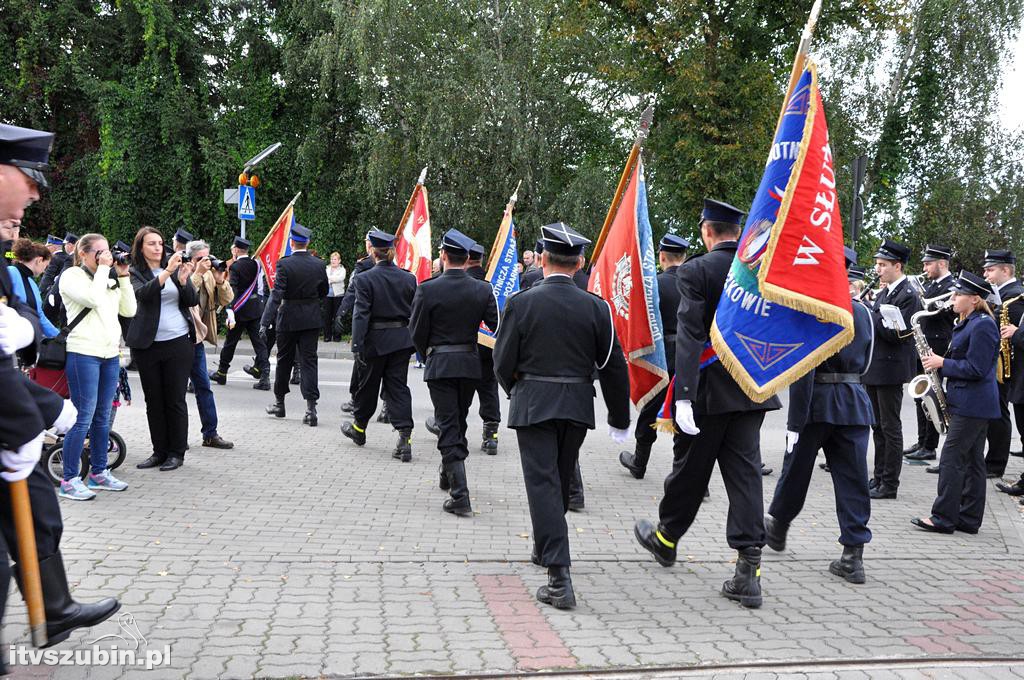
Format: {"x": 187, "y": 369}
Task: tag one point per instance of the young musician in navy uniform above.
{"x": 893, "y": 365}
{"x": 972, "y": 397}
{"x": 671, "y": 253}
{"x": 382, "y": 344}
{"x": 552, "y": 339}
{"x": 829, "y": 409}
{"x": 1000, "y": 272}
{"x": 300, "y": 286}
{"x": 938, "y": 330}
{"x": 446, "y": 316}
{"x": 487, "y": 388}
{"x": 247, "y": 309}
{"x": 725, "y": 421}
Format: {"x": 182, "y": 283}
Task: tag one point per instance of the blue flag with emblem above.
{"x": 502, "y": 270}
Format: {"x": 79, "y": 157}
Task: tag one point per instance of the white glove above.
{"x": 15, "y": 331}
{"x": 791, "y": 440}
{"x": 231, "y": 317}
{"x": 20, "y": 463}
{"x": 68, "y": 416}
{"x": 684, "y": 417}
{"x": 617, "y": 435}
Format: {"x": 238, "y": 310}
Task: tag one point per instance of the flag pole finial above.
{"x": 515, "y": 194}
{"x": 646, "y": 120}
{"x": 423, "y": 176}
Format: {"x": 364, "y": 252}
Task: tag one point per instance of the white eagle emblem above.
{"x": 622, "y": 285}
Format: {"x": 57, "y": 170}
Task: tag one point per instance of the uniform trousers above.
{"x": 303, "y": 344}
{"x": 886, "y": 401}
{"x": 961, "y": 498}
{"x": 732, "y": 439}
{"x": 452, "y": 398}
{"x": 259, "y": 346}
{"x": 487, "y": 387}
{"x": 389, "y": 372}
{"x": 549, "y": 453}
{"x": 1000, "y": 431}
{"x": 846, "y": 452}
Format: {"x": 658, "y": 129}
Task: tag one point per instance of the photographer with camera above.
{"x": 94, "y": 296}
{"x": 162, "y": 337}
{"x": 211, "y": 280}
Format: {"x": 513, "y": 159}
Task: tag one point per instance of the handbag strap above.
{"x": 77, "y": 320}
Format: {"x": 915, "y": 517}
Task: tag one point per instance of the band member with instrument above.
{"x": 972, "y": 397}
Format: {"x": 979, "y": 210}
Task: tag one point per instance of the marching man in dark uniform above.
{"x": 725, "y": 422}
{"x": 829, "y": 409}
{"x": 446, "y": 315}
{"x": 893, "y": 364}
{"x": 487, "y": 387}
{"x": 972, "y": 398}
{"x": 671, "y": 253}
{"x": 294, "y": 309}
{"x": 382, "y": 344}
{"x": 245, "y": 314}
{"x": 552, "y": 338}
{"x": 938, "y": 330}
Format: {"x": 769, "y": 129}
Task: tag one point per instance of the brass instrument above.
{"x": 928, "y": 386}
{"x": 1005, "y": 348}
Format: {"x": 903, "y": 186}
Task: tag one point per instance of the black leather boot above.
{"x": 348, "y": 407}
{"x": 745, "y": 585}
{"x": 654, "y": 540}
{"x": 775, "y": 533}
{"x": 489, "y": 445}
{"x": 355, "y": 432}
{"x": 459, "y": 503}
{"x": 310, "y": 417}
{"x": 403, "y": 448}
{"x": 636, "y": 462}
{"x": 219, "y": 377}
{"x": 263, "y": 384}
{"x": 851, "y": 565}
{"x": 277, "y": 408}
{"x": 443, "y": 484}
{"x": 383, "y": 416}
{"x": 63, "y": 614}
{"x": 558, "y": 592}
{"x": 252, "y": 371}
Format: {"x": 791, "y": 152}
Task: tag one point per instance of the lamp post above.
{"x": 248, "y": 178}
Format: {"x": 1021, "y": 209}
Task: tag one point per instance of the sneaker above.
{"x": 106, "y": 482}
{"x": 75, "y": 490}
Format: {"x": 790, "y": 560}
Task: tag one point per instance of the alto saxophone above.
{"x": 1005, "y": 348}
{"x": 928, "y": 386}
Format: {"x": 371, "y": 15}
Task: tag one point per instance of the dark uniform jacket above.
{"x": 529, "y": 278}
{"x": 970, "y": 368}
{"x": 446, "y": 312}
{"x": 895, "y": 360}
{"x": 300, "y": 285}
{"x": 700, "y": 282}
{"x": 142, "y": 331}
{"x": 59, "y": 261}
{"x": 383, "y": 294}
{"x": 668, "y": 303}
{"x": 478, "y": 273}
{"x": 938, "y": 329}
{"x": 348, "y": 301}
{"x": 243, "y": 272}
{"x": 836, "y": 403}
{"x": 557, "y": 330}
{"x": 1015, "y": 313}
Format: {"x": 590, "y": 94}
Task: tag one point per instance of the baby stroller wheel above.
{"x": 55, "y": 463}
{"x": 117, "y": 450}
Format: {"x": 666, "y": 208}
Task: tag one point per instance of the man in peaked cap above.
{"x": 244, "y": 317}
{"x": 446, "y": 314}
{"x": 671, "y": 253}
{"x": 717, "y": 420}
{"x": 382, "y": 344}
{"x": 294, "y": 308}
{"x": 893, "y": 364}
{"x": 552, "y": 338}
{"x": 61, "y": 260}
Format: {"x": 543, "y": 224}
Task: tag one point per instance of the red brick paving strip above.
{"x": 527, "y": 633}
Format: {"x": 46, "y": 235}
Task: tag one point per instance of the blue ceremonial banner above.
{"x": 502, "y": 272}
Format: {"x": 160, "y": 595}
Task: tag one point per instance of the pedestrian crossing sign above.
{"x": 246, "y": 202}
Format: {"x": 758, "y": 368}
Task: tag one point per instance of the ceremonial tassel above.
{"x": 665, "y": 421}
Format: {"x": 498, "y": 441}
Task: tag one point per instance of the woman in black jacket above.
{"x": 162, "y": 337}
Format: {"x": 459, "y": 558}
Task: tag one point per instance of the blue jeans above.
{"x": 204, "y": 393}
{"x": 92, "y": 382}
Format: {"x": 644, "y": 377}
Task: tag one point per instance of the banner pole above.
{"x": 508, "y": 211}
{"x": 800, "y": 60}
{"x": 412, "y": 199}
{"x": 266, "y": 238}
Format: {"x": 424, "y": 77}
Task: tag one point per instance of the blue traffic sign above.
{"x": 246, "y": 202}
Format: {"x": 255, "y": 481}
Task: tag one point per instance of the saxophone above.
{"x": 1005, "y": 348}
{"x": 928, "y": 386}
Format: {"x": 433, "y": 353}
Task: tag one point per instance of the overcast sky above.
{"x": 1012, "y": 105}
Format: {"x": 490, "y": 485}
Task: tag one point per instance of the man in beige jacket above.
{"x": 211, "y": 280}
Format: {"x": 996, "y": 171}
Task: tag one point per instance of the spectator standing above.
{"x": 335, "y": 294}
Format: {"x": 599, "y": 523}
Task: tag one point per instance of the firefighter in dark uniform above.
{"x": 725, "y": 421}
{"x": 29, "y": 409}
{"x": 382, "y": 344}
{"x": 552, "y": 338}
{"x": 893, "y": 365}
{"x": 671, "y": 253}
{"x": 61, "y": 260}
{"x": 247, "y": 308}
{"x": 938, "y": 330}
{"x": 829, "y": 409}
{"x": 487, "y": 388}
{"x": 534, "y": 273}
{"x": 446, "y": 316}
{"x": 972, "y": 399}
{"x": 294, "y": 307}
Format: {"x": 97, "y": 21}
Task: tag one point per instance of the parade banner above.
{"x": 412, "y": 247}
{"x": 786, "y": 304}
{"x": 275, "y": 245}
{"x": 502, "y": 272}
{"x": 625, "y": 276}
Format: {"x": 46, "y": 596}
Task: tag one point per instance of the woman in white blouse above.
{"x": 335, "y": 291}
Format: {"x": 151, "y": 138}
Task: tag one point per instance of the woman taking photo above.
{"x": 335, "y": 293}
{"x": 93, "y": 300}
{"x": 972, "y": 398}
{"x": 162, "y": 338}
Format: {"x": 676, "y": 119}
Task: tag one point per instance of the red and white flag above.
{"x": 412, "y": 247}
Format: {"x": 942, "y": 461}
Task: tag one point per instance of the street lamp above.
{"x": 251, "y": 179}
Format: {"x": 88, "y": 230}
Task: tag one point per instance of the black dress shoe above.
{"x": 921, "y": 455}
{"x": 967, "y": 530}
{"x": 882, "y": 492}
{"x": 577, "y": 503}
{"x": 217, "y": 442}
{"x": 151, "y": 462}
{"x": 172, "y": 463}
{"x": 350, "y": 431}
{"x": 647, "y": 535}
{"x": 765, "y": 470}
{"x": 911, "y": 449}
{"x": 1015, "y": 489}
{"x": 921, "y": 524}
{"x": 932, "y": 469}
